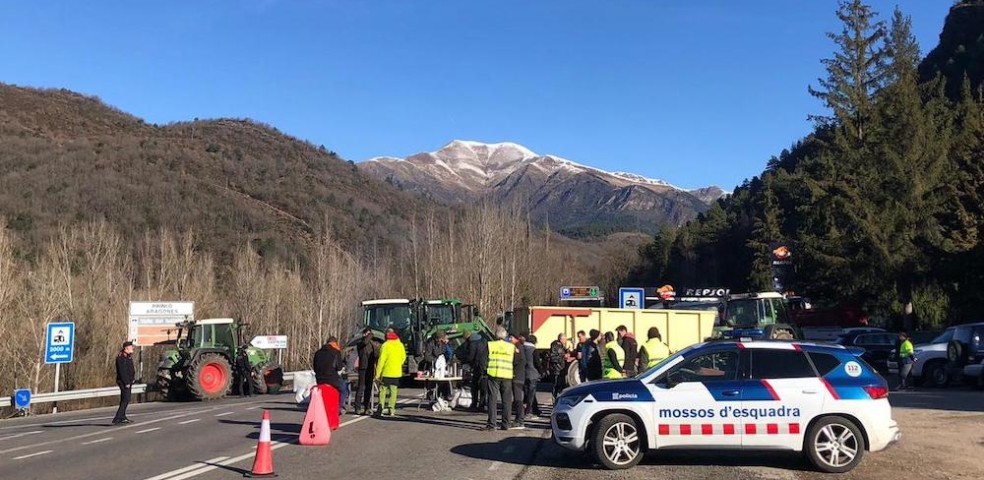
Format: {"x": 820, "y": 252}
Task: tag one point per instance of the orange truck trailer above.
{"x": 679, "y": 328}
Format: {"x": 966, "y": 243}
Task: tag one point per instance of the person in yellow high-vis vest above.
{"x": 499, "y": 379}
{"x": 653, "y": 350}
{"x": 611, "y": 363}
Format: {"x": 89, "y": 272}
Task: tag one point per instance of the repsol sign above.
{"x": 707, "y": 292}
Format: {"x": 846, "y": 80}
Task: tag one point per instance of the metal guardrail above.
{"x": 92, "y": 393}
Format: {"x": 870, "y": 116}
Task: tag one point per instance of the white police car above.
{"x": 819, "y": 399}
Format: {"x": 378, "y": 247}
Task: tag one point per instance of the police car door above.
{"x": 689, "y": 398}
{"x": 780, "y": 397}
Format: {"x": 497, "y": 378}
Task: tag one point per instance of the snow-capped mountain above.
{"x": 570, "y": 195}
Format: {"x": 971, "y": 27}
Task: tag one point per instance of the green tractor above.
{"x": 415, "y": 321}
{"x": 201, "y": 365}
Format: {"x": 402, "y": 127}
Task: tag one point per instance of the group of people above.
{"x": 372, "y": 363}
{"x": 608, "y": 356}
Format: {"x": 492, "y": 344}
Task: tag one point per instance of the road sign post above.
{"x": 631, "y": 298}
{"x": 59, "y": 348}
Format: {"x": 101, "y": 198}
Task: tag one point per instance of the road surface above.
{"x": 215, "y": 440}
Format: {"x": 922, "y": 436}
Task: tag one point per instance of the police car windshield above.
{"x": 666, "y": 361}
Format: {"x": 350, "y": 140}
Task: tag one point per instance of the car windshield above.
{"x": 381, "y": 317}
{"x": 666, "y": 361}
{"x": 743, "y": 313}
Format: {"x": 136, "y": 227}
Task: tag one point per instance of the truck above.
{"x": 201, "y": 364}
{"x": 416, "y": 320}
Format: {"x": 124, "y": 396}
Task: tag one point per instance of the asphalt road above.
{"x": 215, "y": 440}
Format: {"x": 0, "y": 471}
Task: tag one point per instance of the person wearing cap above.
{"x": 389, "y": 370}
{"x": 125, "y": 376}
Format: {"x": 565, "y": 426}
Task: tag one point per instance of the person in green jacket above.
{"x": 389, "y": 370}
{"x": 907, "y": 359}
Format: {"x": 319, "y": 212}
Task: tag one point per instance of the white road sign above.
{"x": 150, "y": 322}
{"x": 270, "y": 342}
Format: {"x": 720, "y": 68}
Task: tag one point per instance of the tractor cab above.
{"x": 757, "y": 315}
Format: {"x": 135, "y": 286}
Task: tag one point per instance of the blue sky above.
{"x": 696, "y": 92}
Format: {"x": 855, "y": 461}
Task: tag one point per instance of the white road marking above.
{"x": 149, "y": 430}
{"x": 93, "y": 434}
{"x": 494, "y": 466}
{"x": 98, "y": 441}
{"x": 195, "y": 470}
{"x": 224, "y": 414}
{"x": 185, "y": 469}
{"x": 8, "y": 437}
{"x": 32, "y": 455}
{"x": 189, "y": 421}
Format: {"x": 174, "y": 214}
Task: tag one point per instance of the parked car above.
{"x": 966, "y": 350}
{"x": 930, "y": 368}
{"x": 924, "y": 337}
{"x": 877, "y": 346}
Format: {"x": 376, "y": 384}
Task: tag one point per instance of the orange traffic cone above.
{"x": 263, "y": 461}
{"x": 315, "y": 430}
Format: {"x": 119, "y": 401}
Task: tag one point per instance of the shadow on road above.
{"x": 957, "y": 400}
{"x": 442, "y": 422}
{"x": 532, "y": 451}
{"x": 239, "y": 471}
{"x": 729, "y": 458}
{"x": 73, "y": 425}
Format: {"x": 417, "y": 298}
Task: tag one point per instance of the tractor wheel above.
{"x": 210, "y": 377}
{"x": 256, "y": 380}
{"x": 272, "y": 378}
{"x": 166, "y": 385}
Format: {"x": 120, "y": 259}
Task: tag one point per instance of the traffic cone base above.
{"x": 263, "y": 461}
{"x": 315, "y": 430}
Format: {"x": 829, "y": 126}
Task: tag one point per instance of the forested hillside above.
{"x": 882, "y": 202}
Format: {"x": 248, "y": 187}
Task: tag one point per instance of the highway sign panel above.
{"x": 22, "y": 398}
{"x": 580, "y": 293}
{"x": 631, "y": 298}
{"x": 269, "y": 342}
{"x": 153, "y": 322}
{"x": 60, "y": 343}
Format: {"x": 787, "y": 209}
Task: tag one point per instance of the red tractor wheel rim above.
{"x": 212, "y": 378}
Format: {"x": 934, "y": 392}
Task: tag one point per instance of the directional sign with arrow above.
{"x": 22, "y": 398}
{"x": 60, "y": 343}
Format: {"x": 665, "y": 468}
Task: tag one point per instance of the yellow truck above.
{"x": 679, "y": 328}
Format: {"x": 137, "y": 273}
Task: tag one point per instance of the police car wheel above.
{"x": 617, "y": 442}
{"x": 834, "y": 445}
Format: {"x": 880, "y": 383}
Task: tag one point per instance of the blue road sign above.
{"x": 631, "y": 298}
{"x": 565, "y": 292}
{"x": 22, "y": 398}
{"x": 60, "y": 343}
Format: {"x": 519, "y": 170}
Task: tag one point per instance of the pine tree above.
{"x": 766, "y": 228}
{"x": 855, "y": 72}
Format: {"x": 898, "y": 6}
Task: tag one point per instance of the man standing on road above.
{"x": 907, "y": 358}
{"x": 533, "y": 368}
{"x": 499, "y": 379}
{"x": 614, "y": 358}
{"x": 582, "y": 355}
{"x": 389, "y": 370}
{"x": 125, "y": 376}
{"x": 478, "y": 358}
{"x": 557, "y": 363}
{"x": 654, "y": 350}
{"x": 631, "y": 348}
{"x": 368, "y": 351}
{"x": 327, "y": 364}
{"x": 244, "y": 373}
{"x": 592, "y": 355}
{"x": 518, "y": 385}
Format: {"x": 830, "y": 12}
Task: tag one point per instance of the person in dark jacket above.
{"x": 327, "y": 364}
{"x": 557, "y": 363}
{"x": 592, "y": 354}
{"x": 518, "y": 385}
{"x": 631, "y": 348}
{"x": 125, "y": 376}
{"x": 244, "y": 373}
{"x": 368, "y": 355}
{"x": 478, "y": 358}
{"x": 533, "y": 375}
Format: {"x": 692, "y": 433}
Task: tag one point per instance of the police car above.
{"x": 822, "y": 400}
